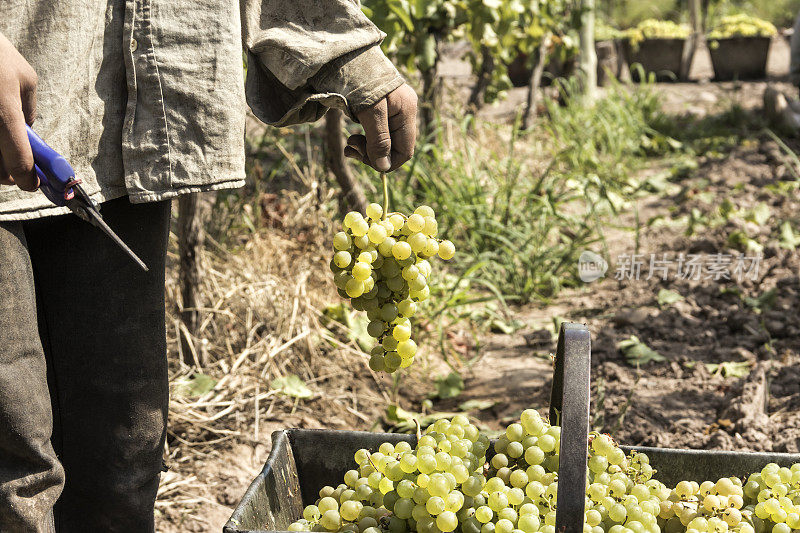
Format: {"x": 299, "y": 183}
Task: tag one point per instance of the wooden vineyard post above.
{"x": 352, "y": 193}
{"x": 696, "y": 19}
{"x": 476, "y": 97}
{"x": 535, "y": 82}
{"x": 588, "y": 54}
{"x": 193, "y": 213}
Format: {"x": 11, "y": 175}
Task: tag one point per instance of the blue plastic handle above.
{"x": 53, "y": 170}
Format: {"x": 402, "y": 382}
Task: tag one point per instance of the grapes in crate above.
{"x": 381, "y": 263}
{"x": 445, "y": 483}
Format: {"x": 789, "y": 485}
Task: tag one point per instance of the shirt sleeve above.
{"x": 305, "y": 56}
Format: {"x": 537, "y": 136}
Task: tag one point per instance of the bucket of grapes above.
{"x": 739, "y": 46}
{"x": 655, "y": 46}
{"x": 540, "y": 476}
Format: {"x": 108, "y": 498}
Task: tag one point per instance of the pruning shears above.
{"x": 59, "y": 184}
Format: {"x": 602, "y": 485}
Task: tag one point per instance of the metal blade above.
{"x": 98, "y": 221}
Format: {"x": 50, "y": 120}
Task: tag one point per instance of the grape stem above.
{"x": 385, "y": 195}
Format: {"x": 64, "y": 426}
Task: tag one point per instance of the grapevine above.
{"x": 445, "y": 483}
{"x": 381, "y": 263}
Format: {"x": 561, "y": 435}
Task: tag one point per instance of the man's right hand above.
{"x": 17, "y": 106}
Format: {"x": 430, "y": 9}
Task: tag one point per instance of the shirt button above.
{"x": 134, "y": 45}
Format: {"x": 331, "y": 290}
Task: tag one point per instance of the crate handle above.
{"x": 569, "y": 406}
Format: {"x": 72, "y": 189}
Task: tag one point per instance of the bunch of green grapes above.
{"x": 707, "y": 507}
{"x": 773, "y": 498}
{"x": 430, "y": 488}
{"x": 445, "y": 484}
{"x": 381, "y": 264}
{"x": 622, "y": 496}
{"x": 523, "y": 478}
{"x": 657, "y": 29}
{"x": 741, "y": 25}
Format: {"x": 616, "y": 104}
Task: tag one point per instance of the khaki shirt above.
{"x": 146, "y": 98}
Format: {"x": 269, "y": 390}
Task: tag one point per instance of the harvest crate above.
{"x": 662, "y": 57}
{"x": 740, "y": 58}
{"x": 304, "y": 460}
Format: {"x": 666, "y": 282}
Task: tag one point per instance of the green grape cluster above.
{"x": 622, "y": 496}
{"x": 381, "y": 264}
{"x": 707, "y": 507}
{"x": 741, "y": 25}
{"x": 773, "y": 498}
{"x": 430, "y": 488}
{"x": 445, "y": 483}
{"x": 657, "y": 29}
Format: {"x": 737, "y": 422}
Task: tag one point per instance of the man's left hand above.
{"x": 390, "y": 131}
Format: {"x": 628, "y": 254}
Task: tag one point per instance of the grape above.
{"x": 377, "y": 234}
{"x": 401, "y": 332}
{"x": 415, "y": 223}
{"x": 360, "y": 227}
{"x": 377, "y": 363}
{"x": 374, "y": 211}
{"x": 446, "y": 250}
{"x": 342, "y": 241}
{"x": 330, "y": 520}
{"x": 418, "y": 242}
{"x": 342, "y": 259}
{"x": 447, "y": 521}
{"x": 401, "y": 250}
{"x": 376, "y": 328}
{"x": 431, "y": 227}
{"x": 354, "y": 288}
{"x": 350, "y": 510}
{"x": 406, "y": 348}
{"x": 432, "y": 247}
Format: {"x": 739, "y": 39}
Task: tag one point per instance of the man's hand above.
{"x": 17, "y": 106}
{"x": 390, "y": 128}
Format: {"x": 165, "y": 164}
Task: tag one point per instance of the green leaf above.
{"x": 759, "y": 214}
{"x": 667, "y": 297}
{"x": 500, "y": 325}
{"x": 730, "y": 369}
{"x": 355, "y": 323}
{"x": 337, "y": 312}
{"x": 402, "y": 421}
{"x": 194, "y": 386}
{"x": 638, "y": 353}
{"x": 742, "y": 242}
{"x": 789, "y": 239}
{"x": 427, "y": 59}
{"x": 293, "y": 386}
{"x": 404, "y": 16}
{"x": 726, "y": 208}
{"x": 449, "y": 386}
{"x": 395, "y": 413}
{"x": 762, "y": 301}
{"x": 477, "y": 405}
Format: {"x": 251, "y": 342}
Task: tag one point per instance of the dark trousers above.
{"x": 83, "y": 371}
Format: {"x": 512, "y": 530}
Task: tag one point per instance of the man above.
{"x": 146, "y": 99}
